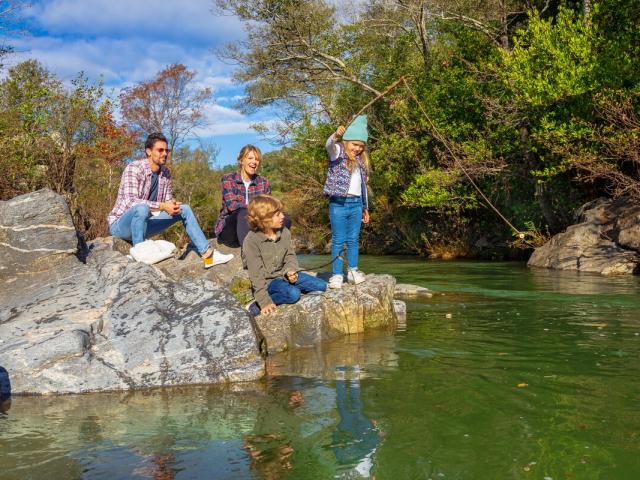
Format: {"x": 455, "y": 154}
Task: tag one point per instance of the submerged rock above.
{"x": 606, "y": 241}
{"x": 405, "y": 290}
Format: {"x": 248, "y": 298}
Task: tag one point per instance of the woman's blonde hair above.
{"x": 351, "y": 160}
{"x": 246, "y": 150}
{"x": 261, "y": 210}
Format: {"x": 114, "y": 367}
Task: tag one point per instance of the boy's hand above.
{"x": 268, "y": 309}
{"x": 365, "y": 216}
{"x": 340, "y": 131}
{"x": 292, "y": 277}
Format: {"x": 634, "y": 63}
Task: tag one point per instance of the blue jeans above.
{"x": 137, "y": 223}
{"x": 282, "y": 291}
{"x": 345, "y": 214}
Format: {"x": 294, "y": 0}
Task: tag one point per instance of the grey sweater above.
{"x": 267, "y": 259}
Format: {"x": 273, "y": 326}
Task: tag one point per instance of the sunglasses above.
{"x": 162, "y": 150}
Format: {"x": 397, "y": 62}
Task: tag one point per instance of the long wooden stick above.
{"x": 378, "y": 97}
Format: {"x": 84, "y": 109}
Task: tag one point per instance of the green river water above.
{"x": 533, "y": 375}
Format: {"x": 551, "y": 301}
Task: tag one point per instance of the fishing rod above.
{"x": 340, "y": 255}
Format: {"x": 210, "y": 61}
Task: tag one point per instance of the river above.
{"x": 506, "y": 373}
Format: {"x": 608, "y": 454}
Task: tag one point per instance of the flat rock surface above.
{"x": 606, "y": 240}
{"x": 188, "y": 264}
{"x": 350, "y": 310}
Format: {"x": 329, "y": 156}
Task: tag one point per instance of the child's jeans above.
{"x": 282, "y": 291}
{"x": 345, "y": 214}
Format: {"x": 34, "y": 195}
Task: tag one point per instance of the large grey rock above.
{"x": 353, "y": 309}
{"x": 606, "y": 241}
{"x": 36, "y": 231}
{"x": 114, "y": 324}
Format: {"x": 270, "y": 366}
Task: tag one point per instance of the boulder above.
{"x": 606, "y": 240}
{"x": 36, "y": 231}
{"x": 352, "y": 309}
{"x": 110, "y": 323}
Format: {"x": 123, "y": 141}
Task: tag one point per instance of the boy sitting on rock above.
{"x": 269, "y": 256}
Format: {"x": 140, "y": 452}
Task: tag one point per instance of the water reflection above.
{"x": 373, "y": 352}
{"x": 579, "y": 283}
{"x": 356, "y": 438}
{"x": 308, "y": 420}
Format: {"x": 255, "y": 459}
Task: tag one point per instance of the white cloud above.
{"x": 181, "y": 20}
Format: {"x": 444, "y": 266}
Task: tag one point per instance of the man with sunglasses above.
{"x": 145, "y": 205}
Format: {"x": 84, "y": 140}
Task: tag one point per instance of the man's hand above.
{"x": 340, "y": 131}
{"x": 365, "y": 216}
{"x": 172, "y": 207}
{"x": 268, "y": 309}
{"x": 292, "y": 277}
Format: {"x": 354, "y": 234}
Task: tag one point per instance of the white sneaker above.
{"x": 217, "y": 259}
{"x": 335, "y": 281}
{"x": 355, "y": 276}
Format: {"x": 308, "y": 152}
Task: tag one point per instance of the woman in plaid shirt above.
{"x": 238, "y": 188}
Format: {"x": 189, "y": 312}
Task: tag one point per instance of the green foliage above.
{"x": 538, "y": 109}
{"x": 551, "y": 60}
{"x": 439, "y": 190}
{"x": 45, "y": 126}
{"x": 197, "y": 185}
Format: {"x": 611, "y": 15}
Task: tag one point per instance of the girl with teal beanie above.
{"x": 346, "y": 188}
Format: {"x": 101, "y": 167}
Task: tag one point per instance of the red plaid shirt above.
{"x": 234, "y": 193}
{"x": 135, "y": 186}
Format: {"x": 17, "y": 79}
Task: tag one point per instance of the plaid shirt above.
{"x": 234, "y": 193}
{"x": 135, "y": 186}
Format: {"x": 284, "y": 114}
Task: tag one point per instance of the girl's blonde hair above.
{"x": 261, "y": 210}
{"x": 246, "y": 150}
{"x": 351, "y": 160}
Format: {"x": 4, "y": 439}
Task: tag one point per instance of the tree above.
{"x": 45, "y": 125}
{"x": 295, "y": 53}
{"x": 169, "y": 103}
{"x": 100, "y": 166}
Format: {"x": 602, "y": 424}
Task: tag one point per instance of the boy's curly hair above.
{"x": 261, "y": 210}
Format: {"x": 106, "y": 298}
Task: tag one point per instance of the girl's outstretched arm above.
{"x": 332, "y": 143}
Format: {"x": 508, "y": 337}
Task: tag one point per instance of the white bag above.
{"x": 152, "y": 251}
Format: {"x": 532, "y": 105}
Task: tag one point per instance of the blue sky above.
{"x": 124, "y": 42}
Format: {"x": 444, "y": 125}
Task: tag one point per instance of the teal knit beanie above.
{"x": 357, "y": 130}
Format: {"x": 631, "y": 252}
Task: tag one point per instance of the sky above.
{"x": 123, "y": 42}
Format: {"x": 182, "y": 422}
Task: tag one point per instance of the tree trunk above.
{"x": 586, "y": 11}
{"x": 542, "y": 193}
{"x": 504, "y": 27}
